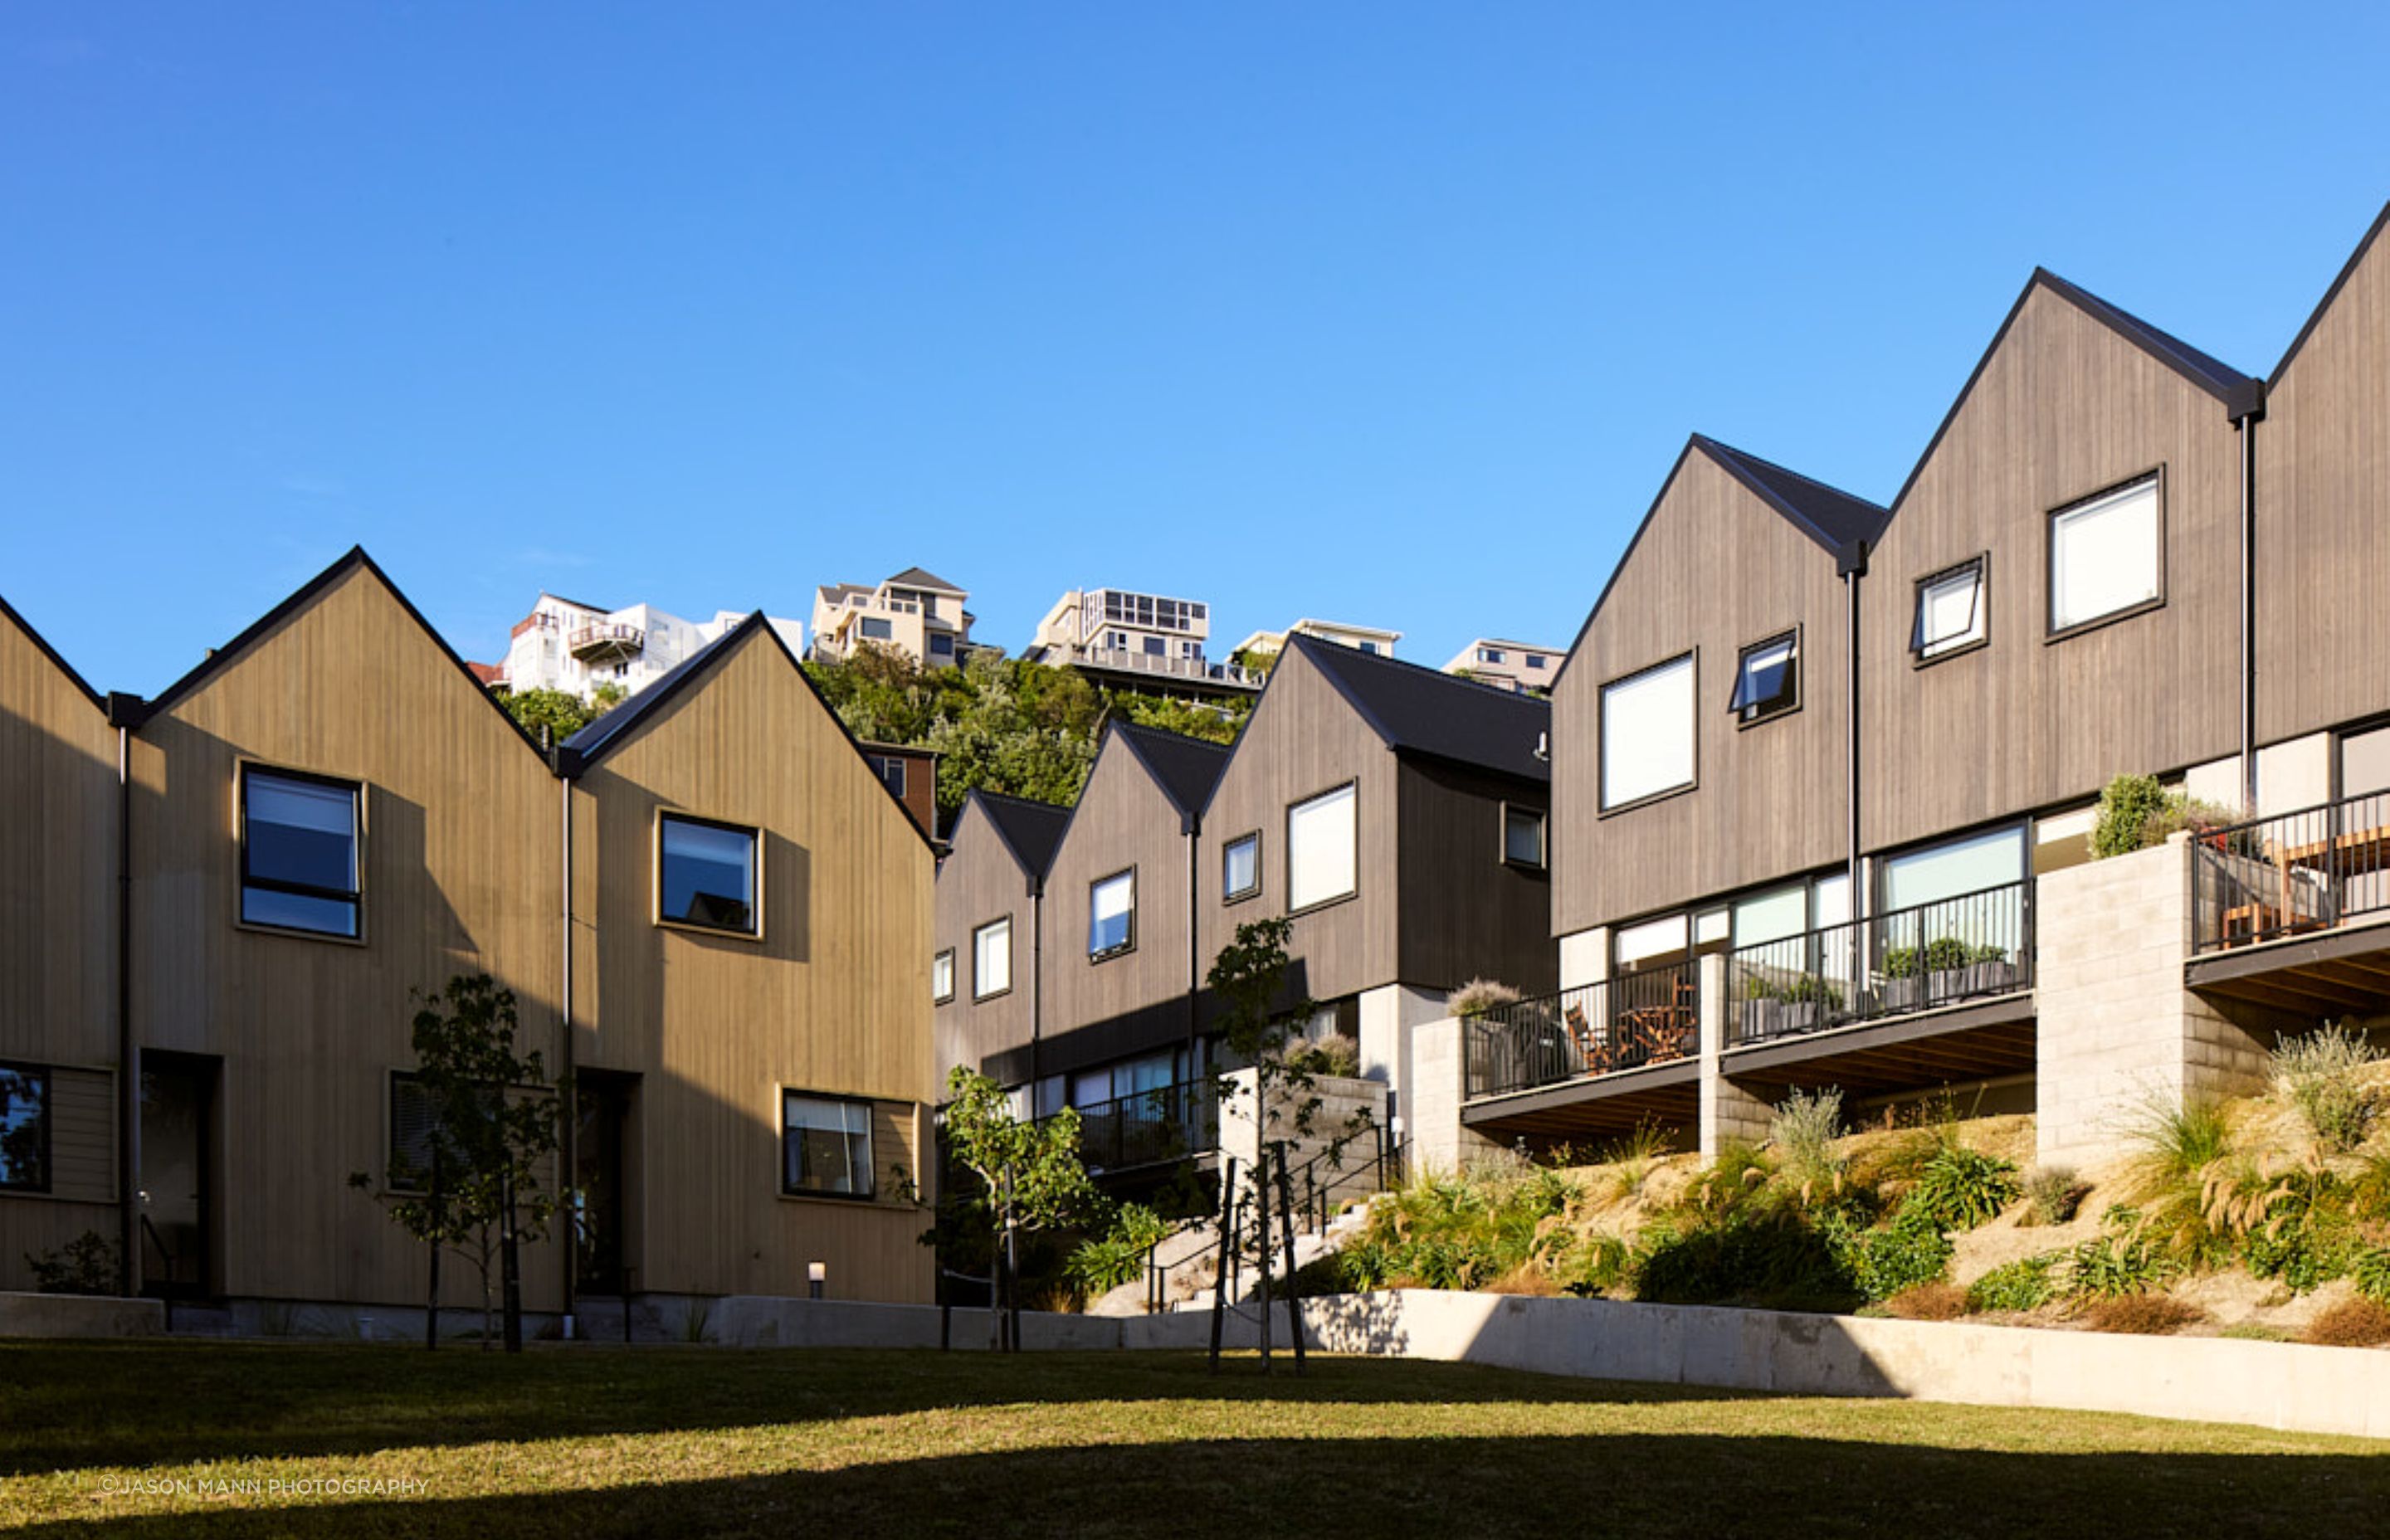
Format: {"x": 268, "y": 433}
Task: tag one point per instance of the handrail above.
{"x": 1387, "y": 1156}
{"x": 1147, "y": 1126}
{"x": 1923, "y": 957}
{"x": 1647, "y": 1016}
{"x": 2290, "y": 873}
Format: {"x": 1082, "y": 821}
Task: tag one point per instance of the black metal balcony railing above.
{"x": 1976, "y": 945}
{"x": 2293, "y": 873}
{"x": 610, "y": 638}
{"x": 1621, "y": 1024}
{"x": 1165, "y": 1123}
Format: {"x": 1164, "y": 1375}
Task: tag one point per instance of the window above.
{"x": 1522, "y": 836}
{"x": 1112, "y": 915}
{"x": 1771, "y": 916}
{"x": 941, "y": 976}
{"x": 2364, "y": 763}
{"x": 415, "y": 1134}
{"x": 942, "y": 645}
{"x": 1241, "y": 867}
{"x": 1646, "y": 734}
{"x": 1767, "y": 678}
{"x": 992, "y": 958}
{"x": 1950, "y": 611}
{"x": 1653, "y": 943}
{"x": 1489, "y": 654}
{"x": 1155, "y": 647}
{"x": 2105, "y": 556}
{"x": 299, "y": 853}
{"x": 892, "y": 772}
{"x": 705, "y": 875}
{"x": 1535, "y": 660}
{"x": 1322, "y": 838}
{"x": 1369, "y": 647}
{"x": 1954, "y": 868}
{"x": 878, "y": 628}
{"x": 24, "y": 1128}
{"x": 825, "y": 1144}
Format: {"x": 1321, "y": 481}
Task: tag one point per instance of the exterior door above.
{"x": 176, "y": 1189}
{"x": 602, "y": 1110}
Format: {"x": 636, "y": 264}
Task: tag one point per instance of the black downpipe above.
{"x": 128, "y": 1068}
{"x": 569, "y": 1153}
{"x": 2248, "y": 425}
{"x": 1854, "y": 569}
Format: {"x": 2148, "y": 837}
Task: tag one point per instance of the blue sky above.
{"x": 1380, "y": 312}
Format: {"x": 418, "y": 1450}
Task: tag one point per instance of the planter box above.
{"x": 1899, "y": 996}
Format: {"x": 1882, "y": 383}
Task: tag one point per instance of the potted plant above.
{"x": 1990, "y": 969}
{"x": 1763, "y": 1010}
{"x": 1944, "y": 962}
{"x": 1904, "y": 985}
{"x": 1808, "y": 1003}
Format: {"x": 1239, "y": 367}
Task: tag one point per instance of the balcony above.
{"x": 1619, "y": 1024}
{"x": 1193, "y": 670}
{"x": 607, "y": 642}
{"x": 1146, "y": 1128}
{"x": 1973, "y": 947}
{"x": 2293, "y": 912}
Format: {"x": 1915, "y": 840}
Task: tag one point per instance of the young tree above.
{"x": 1026, "y": 1176}
{"x": 468, "y": 1179}
{"x": 561, "y": 712}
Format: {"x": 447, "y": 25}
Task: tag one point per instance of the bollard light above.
{"x": 816, "y": 1279}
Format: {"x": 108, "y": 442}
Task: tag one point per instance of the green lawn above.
{"x": 699, "y": 1441}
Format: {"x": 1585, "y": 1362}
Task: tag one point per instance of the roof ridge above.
{"x": 58, "y": 660}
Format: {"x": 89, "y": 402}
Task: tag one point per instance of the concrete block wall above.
{"x": 2116, "y": 1029}
{"x": 1727, "y": 1111}
{"x": 1439, "y": 1141}
{"x": 1390, "y": 1014}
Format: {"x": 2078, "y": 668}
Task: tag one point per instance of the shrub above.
{"x": 2128, "y": 804}
{"x": 1632, "y": 1158}
{"x": 2027, "y": 1283}
{"x": 1959, "y": 1188}
{"x": 2141, "y": 1314}
{"x": 2321, "y": 1073}
{"x": 1802, "y": 1131}
{"x": 1929, "y": 1301}
{"x": 1769, "y": 1259}
{"x": 1480, "y": 995}
{"x": 2119, "y": 1262}
{"x": 1101, "y": 1263}
{"x": 86, "y": 1265}
{"x": 2055, "y": 1193}
{"x": 1911, "y": 1250}
{"x": 2351, "y": 1323}
{"x": 2178, "y": 1140}
{"x": 1336, "y": 1054}
{"x": 1942, "y": 954}
{"x": 2370, "y": 1270}
{"x": 1593, "y": 1265}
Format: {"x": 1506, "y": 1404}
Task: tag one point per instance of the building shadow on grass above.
{"x": 102, "y": 1406}
{"x": 1641, "y": 1484}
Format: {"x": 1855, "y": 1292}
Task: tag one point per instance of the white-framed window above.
{"x": 1767, "y": 678}
{"x": 826, "y": 1145}
{"x": 992, "y": 958}
{"x": 1322, "y": 848}
{"x": 892, "y": 771}
{"x": 1647, "y": 733}
{"x": 942, "y": 977}
{"x": 1952, "y": 611}
{"x": 878, "y": 628}
{"x": 2107, "y": 556}
{"x": 1522, "y": 836}
{"x": 1112, "y": 914}
{"x": 299, "y": 853}
{"x": 707, "y": 875}
{"x": 1489, "y": 654}
{"x": 1241, "y": 867}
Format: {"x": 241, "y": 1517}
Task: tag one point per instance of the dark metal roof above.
{"x": 1032, "y": 831}
{"x": 1419, "y": 710}
{"x": 1830, "y": 516}
{"x": 1186, "y": 768}
{"x": 915, "y": 577}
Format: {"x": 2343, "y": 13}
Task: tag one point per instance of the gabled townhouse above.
{"x": 65, "y": 1103}
{"x": 1399, "y": 816}
{"x": 990, "y": 935}
{"x": 326, "y": 814}
{"x": 750, "y": 917}
{"x": 1702, "y": 783}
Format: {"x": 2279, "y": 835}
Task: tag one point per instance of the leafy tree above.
{"x": 1025, "y": 1175}
{"x": 561, "y": 711}
{"x": 1215, "y": 722}
{"x": 492, "y": 1121}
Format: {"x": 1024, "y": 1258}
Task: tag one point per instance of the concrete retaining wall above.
{"x": 78, "y": 1315}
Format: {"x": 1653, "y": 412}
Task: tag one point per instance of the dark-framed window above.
{"x": 941, "y": 644}
{"x": 878, "y": 629}
{"x": 2106, "y": 556}
{"x": 1535, "y": 660}
{"x": 992, "y": 958}
{"x": 1323, "y": 848}
{"x": 708, "y": 875}
{"x": 825, "y": 1145}
{"x": 1241, "y": 867}
{"x": 942, "y": 977}
{"x": 415, "y": 1132}
{"x": 892, "y": 772}
{"x": 24, "y": 1128}
{"x": 1767, "y": 678}
{"x": 301, "y": 860}
{"x": 1953, "y": 611}
{"x": 1650, "y": 740}
{"x": 1522, "y": 836}
{"x": 1112, "y": 915}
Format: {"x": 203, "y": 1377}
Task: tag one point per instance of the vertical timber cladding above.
{"x": 983, "y": 878}
{"x": 2323, "y": 489}
{"x": 1713, "y": 569}
{"x": 459, "y": 874}
{"x": 58, "y": 967}
{"x": 2064, "y": 406}
{"x": 833, "y": 998}
{"x": 1303, "y": 738}
{"x": 1137, "y": 1000}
